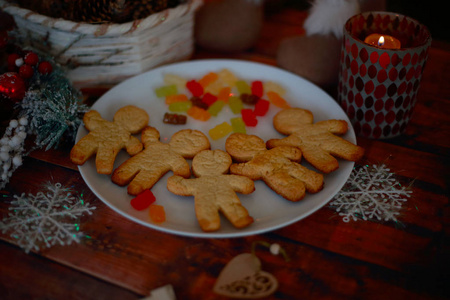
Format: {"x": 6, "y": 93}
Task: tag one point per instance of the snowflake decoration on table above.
{"x": 371, "y": 192}
{"x": 41, "y": 219}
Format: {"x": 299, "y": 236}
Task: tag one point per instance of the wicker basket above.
{"x": 109, "y": 53}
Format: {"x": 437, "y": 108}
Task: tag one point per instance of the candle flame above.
{"x": 381, "y": 41}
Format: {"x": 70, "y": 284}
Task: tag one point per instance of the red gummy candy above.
{"x": 209, "y": 99}
{"x": 257, "y": 88}
{"x": 195, "y": 88}
{"x": 143, "y": 200}
{"x": 249, "y": 117}
{"x": 261, "y": 107}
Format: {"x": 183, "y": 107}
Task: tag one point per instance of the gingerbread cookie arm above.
{"x": 291, "y": 140}
{"x": 83, "y": 150}
{"x": 180, "y": 186}
{"x": 338, "y": 127}
{"x": 133, "y": 146}
{"x": 247, "y": 169}
{"x": 93, "y": 120}
{"x": 287, "y": 152}
{"x": 240, "y": 184}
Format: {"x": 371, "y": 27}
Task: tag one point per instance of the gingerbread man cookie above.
{"x": 143, "y": 170}
{"x": 279, "y": 167}
{"x": 106, "y": 139}
{"x": 214, "y": 190}
{"x": 318, "y": 141}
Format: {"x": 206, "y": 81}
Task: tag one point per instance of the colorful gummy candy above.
{"x": 195, "y": 88}
{"x": 249, "y": 117}
{"x": 143, "y": 200}
{"x": 182, "y": 106}
{"x": 249, "y": 99}
{"x": 199, "y": 113}
{"x": 209, "y": 94}
{"x": 227, "y": 77}
{"x": 176, "y": 98}
{"x": 238, "y": 125}
{"x": 220, "y": 131}
{"x": 175, "y": 119}
{"x": 257, "y": 88}
{"x": 243, "y": 87}
{"x": 216, "y": 107}
{"x": 208, "y": 79}
{"x": 166, "y": 90}
{"x": 157, "y": 213}
{"x": 274, "y": 87}
{"x": 224, "y": 94}
{"x": 235, "y": 104}
{"x": 173, "y": 79}
{"x": 277, "y": 100}
{"x": 261, "y": 107}
{"x": 209, "y": 99}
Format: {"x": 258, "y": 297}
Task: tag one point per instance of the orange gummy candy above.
{"x": 199, "y": 113}
{"x": 176, "y": 98}
{"x": 224, "y": 94}
{"x": 277, "y": 100}
{"x": 157, "y": 213}
{"x": 208, "y": 79}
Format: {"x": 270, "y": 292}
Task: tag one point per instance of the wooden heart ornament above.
{"x": 243, "y": 278}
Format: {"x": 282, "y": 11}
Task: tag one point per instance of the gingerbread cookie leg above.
{"x": 285, "y": 185}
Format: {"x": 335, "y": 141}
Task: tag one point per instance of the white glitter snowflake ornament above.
{"x": 45, "y": 219}
{"x": 371, "y": 192}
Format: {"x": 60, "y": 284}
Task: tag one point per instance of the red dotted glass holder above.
{"x": 378, "y": 87}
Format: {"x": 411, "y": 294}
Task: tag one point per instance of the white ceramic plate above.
{"x": 269, "y": 210}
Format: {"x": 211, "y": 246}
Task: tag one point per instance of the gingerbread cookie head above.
{"x": 214, "y": 190}
{"x": 279, "y": 167}
{"x": 243, "y": 147}
{"x": 143, "y": 170}
{"x": 319, "y": 142}
{"x": 211, "y": 163}
{"x": 106, "y": 138}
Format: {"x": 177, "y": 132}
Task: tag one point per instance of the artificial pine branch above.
{"x": 54, "y": 108}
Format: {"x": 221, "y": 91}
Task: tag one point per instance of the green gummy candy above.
{"x": 220, "y": 131}
{"x": 216, "y": 107}
{"x": 166, "y": 90}
{"x": 181, "y": 106}
{"x": 238, "y": 125}
{"x": 235, "y": 104}
{"x": 243, "y": 87}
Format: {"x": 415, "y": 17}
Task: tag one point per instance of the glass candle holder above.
{"x": 378, "y": 86}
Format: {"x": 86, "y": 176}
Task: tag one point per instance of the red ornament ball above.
{"x": 31, "y": 58}
{"x": 45, "y": 67}
{"x": 26, "y": 71}
{"x": 12, "y": 61}
{"x": 12, "y": 86}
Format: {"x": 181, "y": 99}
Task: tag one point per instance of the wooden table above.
{"x": 330, "y": 259}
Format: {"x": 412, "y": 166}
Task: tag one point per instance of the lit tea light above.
{"x": 383, "y": 41}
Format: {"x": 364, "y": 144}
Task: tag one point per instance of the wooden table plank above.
{"x": 49, "y": 280}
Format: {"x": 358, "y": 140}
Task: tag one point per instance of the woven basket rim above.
{"x": 105, "y": 29}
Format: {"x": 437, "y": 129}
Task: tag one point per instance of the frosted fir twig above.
{"x": 54, "y": 108}
{"x": 370, "y": 193}
{"x": 45, "y": 219}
